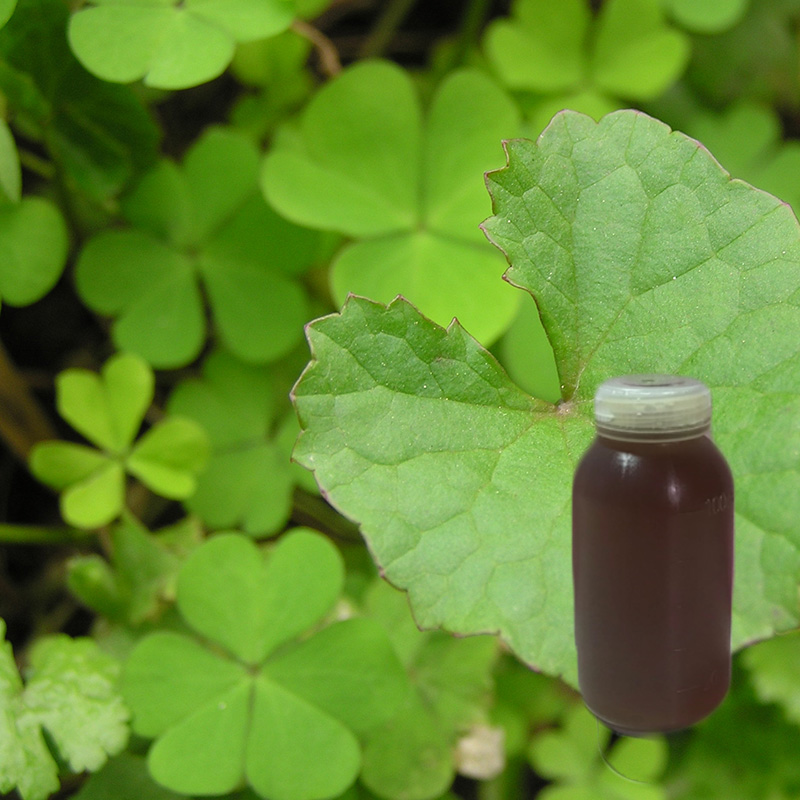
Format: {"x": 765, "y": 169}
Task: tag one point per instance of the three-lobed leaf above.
{"x": 98, "y": 135}
{"x": 205, "y": 225}
{"x": 170, "y": 45}
{"x": 268, "y": 703}
{"x": 571, "y": 60}
{"x": 450, "y": 681}
{"x": 369, "y": 163}
{"x": 643, "y": 256}
{"x": 108, "y": 410}
{"x": 570, "y": 757}
{"x": 138, "y": 578}
{"x": 248, "y": 481}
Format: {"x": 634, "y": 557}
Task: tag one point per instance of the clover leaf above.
{"x": 108, "y": 410}
{"x": 754, "y": 59}
{"x": 406, "y": 186}
{"x": 451, "y": 681}
{"x": 706, "y": 16}
{"x": 260, "y": 704}
{"x": 584, "y": 62}
{"x": 133, "y": 585}
{"x": 772, "y": 673}
{"x": 6, "y": 10}
{"x": 746, "y": 139}
{"x": 70, "y": 694}
{"x": 249, "y": 478}
{"x": 203, "y": 224}
{"x": 33, "y": 235}
{"x": 643, "y": 256}
{"x": 278, "y": 67}
{"x": 170, "y": 44}
{"x": 98, "y": 135}
{"x": 569, "y": 756}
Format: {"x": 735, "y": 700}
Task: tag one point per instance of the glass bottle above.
{"x": 652, "y": 557}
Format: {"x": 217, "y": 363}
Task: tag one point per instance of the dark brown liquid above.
{"x": 652, "y": 558}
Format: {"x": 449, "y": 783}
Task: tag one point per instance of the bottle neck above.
{"x": 652, "y": 437}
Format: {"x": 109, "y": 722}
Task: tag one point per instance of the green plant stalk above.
{"x": 42, "y": 534}
{"x": 385, "y": 28}
{"x": 474, "y": 17}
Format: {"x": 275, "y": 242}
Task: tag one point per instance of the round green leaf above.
{"x": 129, "y": 386}
{"x": 6, "y": 10}
{"x": 203, "y": 753}
{"x": 246, "y": 20}
{"x": 160, "y": 204}
{"x": 772, "y": 666}
{"x": 227, "y": 591}
{"x": 409, "y": 757}
{"x": 541, "y": 48}
{"x": 219, "y": 152}
{"x": 250, "y": 486}
{"x": 365, "y": 166}
{"x": 168, "y": 676}
{"x": 359, "y": 169}
{"x": 10, "y": 172}
{"x": 60, "y": 464}
{"x": 706, "y": 16}
{"x": 34, "y": 241}
{"x": 635, "y": 54}
{"x": 107, "y": 409}
{"x": 170, "y": 45}
{"x": 205, "y": 220}
{"x": 151, "y": 287}
{"x": 453, "y": 190}
{"x": 96, "y": 500}
{"x": 233, "y": 402}
{"x": 168, "y": 456}
{"x": 348, "y": 669}
{"x": 248, "y": 481}
{"x": 311, "y": 755}
{"x": 643, "y": 256}
{"x": 259, "y": 314}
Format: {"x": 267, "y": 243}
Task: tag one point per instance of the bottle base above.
{"x": 621, "y": 730}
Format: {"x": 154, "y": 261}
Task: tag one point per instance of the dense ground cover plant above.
{"x": 183, "y": 187}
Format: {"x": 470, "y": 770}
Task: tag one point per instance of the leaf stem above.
{"x": 385, "y": 28}
{"x": 312, "y": 510}
{"x": 38, "y": 165}
{"x": 471, "y": 23}
{"x": 329, "y": 60}
{"x": 23, "y": 422}
{"x": 41, "y": 534}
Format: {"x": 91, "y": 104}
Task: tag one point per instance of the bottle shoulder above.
{"x": 681, "y": 474}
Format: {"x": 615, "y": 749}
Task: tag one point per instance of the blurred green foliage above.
{"x": 197, "y": 180}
